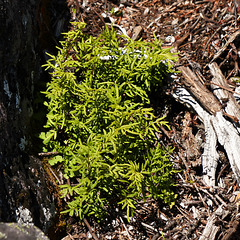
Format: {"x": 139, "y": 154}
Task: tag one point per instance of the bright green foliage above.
{"x": 100, "y": 124}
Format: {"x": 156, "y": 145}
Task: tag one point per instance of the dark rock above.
{"x": 24, "y": 196}
{"x": 14, "y": 231}
{"x": 24, "y": 26}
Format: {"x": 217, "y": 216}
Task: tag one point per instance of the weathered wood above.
{"x": 137, "y": 32}
{"x": 210, "y": 156}
{"x": 211, "y": 229}
{"x": 228, "y": 136}
{"x": 231, "y": 106}
{"x": 218, "y": 128}
{"x": 199, "y": 91}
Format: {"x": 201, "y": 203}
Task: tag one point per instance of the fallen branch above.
{"x": 218, "y": 128}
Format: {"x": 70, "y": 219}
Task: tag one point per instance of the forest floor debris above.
{"x": 201, "y": 32}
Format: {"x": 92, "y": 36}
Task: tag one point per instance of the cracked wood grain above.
{"x": 199, "y": 91}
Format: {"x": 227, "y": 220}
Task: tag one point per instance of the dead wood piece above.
{"x": 137, "y": 32}
{"x": 220, "y": 200}
{"x": 180, "y": 41}
{"x": 228, "y": 136}
{"x": 156, "y": 236}
{"x": 211, "y": 229}
{"x": 47, "y": 154}
{"x": 201, "y": 93}
{"x": 129, "y": 237}
{"x": 232, "y": 107}
{"x": 226, "y": 88}
{"x": 210, "y": 156}
{"x": 210, "y": 195}
{"x": 230, "y": 40}
{"x": 217, "y": 128}
{"x": 149, "y": 227}
{"x": 90, "y": 229}
{"x": 120, "y": 28}
{"x": 209, "y": 104}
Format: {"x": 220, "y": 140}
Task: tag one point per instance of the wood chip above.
{"x": 137, "y": 32}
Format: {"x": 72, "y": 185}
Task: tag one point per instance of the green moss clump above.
{"x": 100, "y": 122}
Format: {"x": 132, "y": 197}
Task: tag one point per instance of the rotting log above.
{"x": 221, "y": 122}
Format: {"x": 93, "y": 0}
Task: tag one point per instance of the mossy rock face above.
{"x": 17, "y": 231}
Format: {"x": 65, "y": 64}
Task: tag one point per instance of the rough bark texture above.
{"x": 201, "y": 93}
{"x": 24, "y": 195}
